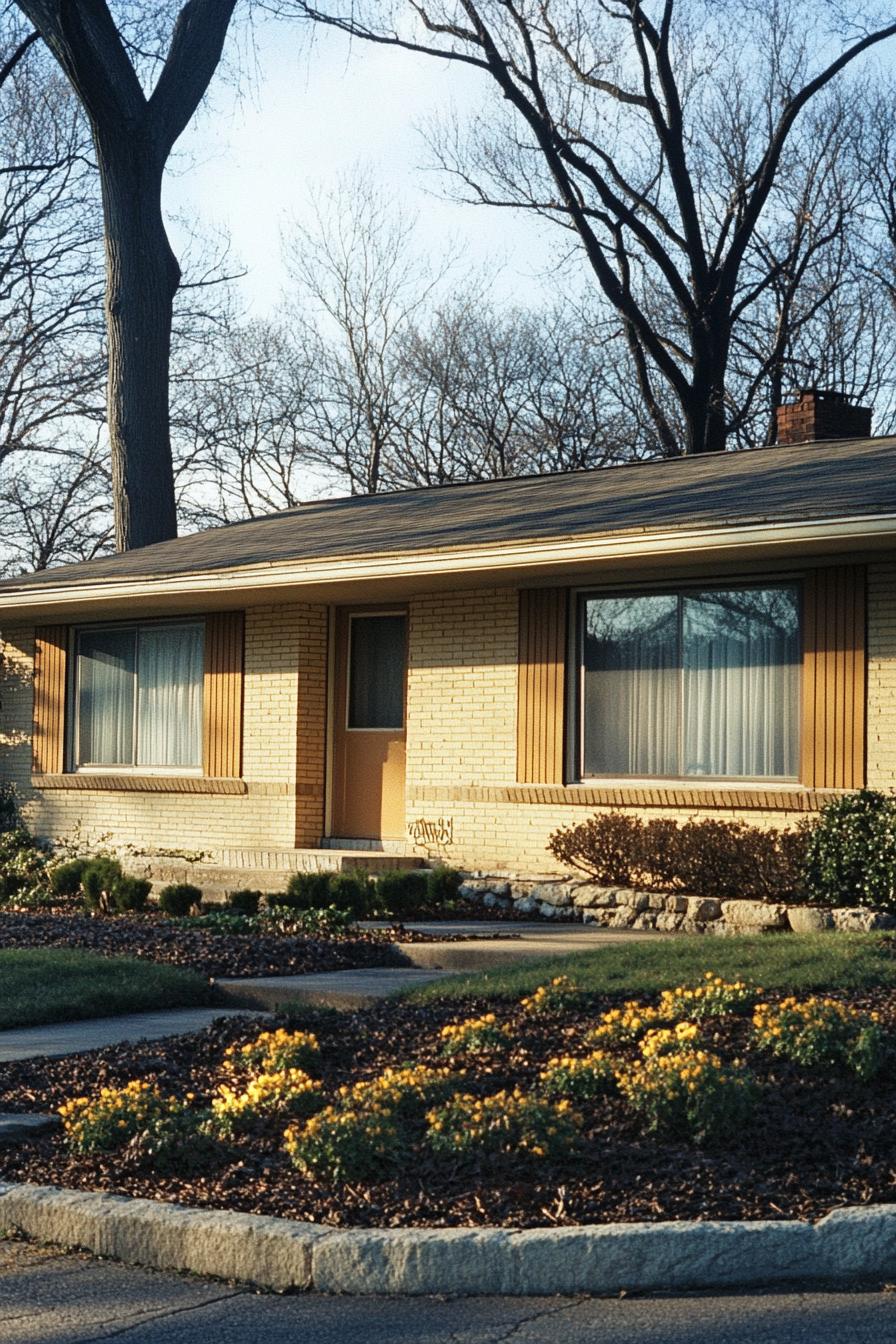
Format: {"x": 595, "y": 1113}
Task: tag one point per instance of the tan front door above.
{"x": 369, "y": 727}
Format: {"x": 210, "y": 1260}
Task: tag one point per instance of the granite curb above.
{"x": 847, "y": 1246}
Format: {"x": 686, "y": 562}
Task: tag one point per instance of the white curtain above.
{"x": 631, "y": 686}
{"x": 106, "y": 697}
{"x": 169, "y": 696}
{"x": 741, "y": 683}
{"x": 702, "y": 683}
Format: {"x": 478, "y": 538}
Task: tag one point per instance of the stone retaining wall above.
{"x": 627, "y": 908}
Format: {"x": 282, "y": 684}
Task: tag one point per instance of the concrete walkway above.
{"x": 48, "y": 1297}
{"x": 70, "y": 1038}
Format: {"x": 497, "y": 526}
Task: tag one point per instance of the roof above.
{"x": 839, "y": 479}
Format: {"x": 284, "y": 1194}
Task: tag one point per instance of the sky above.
{"x": 313, "y": 111}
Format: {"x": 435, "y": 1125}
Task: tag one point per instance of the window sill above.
{"x": 745, "y": 798}
{"x": 113, "y": 783}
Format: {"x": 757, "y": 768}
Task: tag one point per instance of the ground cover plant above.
{"x": 681, "y": 1117}
{"x": 64, "y": 984}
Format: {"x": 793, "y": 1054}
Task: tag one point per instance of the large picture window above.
{"x": 691, "y": 683}
{"x": 138, "y": 696}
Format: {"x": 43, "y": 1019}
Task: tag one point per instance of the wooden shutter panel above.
{"x": 833, "y": 718}
{"x": 222, "y": 739}
{"x": 541, "y": 686}
{"x": 48, "y": 727}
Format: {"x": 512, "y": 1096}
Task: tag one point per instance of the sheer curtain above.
{"x": 169, "y": 696}
{"x": 694, "y": 683}
{"x": 631, "y": 686}
{"x": 741, "y": 682}
{"x": 106, "y": 670}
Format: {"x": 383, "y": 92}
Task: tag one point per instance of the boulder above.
{"x": 590, "y": 894}
{"x": 668, "y": 921}
{"x": 548, "y": 911}
{"x": 656, "y": 900}
{"x": 526, "y": 906}
{"x": 753, "y": 916}
{"x": 677, "y": 905}
{"x": 500, "y": 889}
{"x": 861, "y": 920}
{"x": 703, "y": 909}
{"x": 646, "y": 920}
{"x": 553, "y": 893}
{"x": 809, "y": 919}
{"x": 493, "y": 902}
{"x": 471, "y": 891}
{"x": 597, "y": 915}
{"x": 623, "y": 917}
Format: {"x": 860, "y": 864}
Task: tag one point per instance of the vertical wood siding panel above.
{"x": 541, "y": 683}
{"x": 834, "y": 675}
{"x": 48, "y": 727}
{"x": 223, "y": 695}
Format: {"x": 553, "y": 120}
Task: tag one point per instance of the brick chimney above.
{"x": 820, "y": 415}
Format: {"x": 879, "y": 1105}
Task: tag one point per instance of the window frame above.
{"x": 576, "y": 695}
{"x": 73, "y": 702}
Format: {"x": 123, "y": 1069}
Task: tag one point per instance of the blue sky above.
{"x": 314, "y": 110}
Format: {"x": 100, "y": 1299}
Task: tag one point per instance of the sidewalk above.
{"x": 71, "y": 1038}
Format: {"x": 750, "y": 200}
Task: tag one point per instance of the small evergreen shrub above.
{"x": 131, "y": 894}
{"x": 99, "y": 880}
{"x": 402, "y": 893}
{"x": 305, "y": 891}
{"x": 65, "y": 878}
{"x": 851, "y": 851}
{"x": 351, "y": 893}
{"x": 442, "y": 885}
{"x": 179, "y": 899}
{"x": 244, "y": 902}
{"x": 729, "y": 859}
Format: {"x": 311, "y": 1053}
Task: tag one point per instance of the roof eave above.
{"x": 549, "y": 557}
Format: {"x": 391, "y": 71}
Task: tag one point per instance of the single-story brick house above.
{"x": 457, "y": 671}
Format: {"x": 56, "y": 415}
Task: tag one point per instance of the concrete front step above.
{"x": 270, "y": 870}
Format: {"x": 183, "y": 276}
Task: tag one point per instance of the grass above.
{"x": 796, "y": 962}
{"x": 59, "y": 985}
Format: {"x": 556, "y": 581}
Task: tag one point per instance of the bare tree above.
{"x": 59, "y": 512}
{"x": 655, "y": 134}
{"x": 133, "y": 134}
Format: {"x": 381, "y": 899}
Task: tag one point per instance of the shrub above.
{"x": 718, "y": 858}
{"x": 274, "y": 1051}
{"x": 305, "y": 923}
{"x": 821, "y": 1033}
{"x": 179, "y": 899}
{"x": 579, "y": 1079}
{"x": 107, "y": 888}
{"x": 131, "y": 894}
{"x": 112, "y": 1117}
{"x": 442, "y": 885}
{"x": 550, "y": 998}
{"x": 244, "y": 902}
{"x": 350, "y": 894}
{"x": 851, "y": 851}
{"x": 65, "y": 878}
{"x": 402, "y": 893}
{"x": 475, "y": 1036}
{"x": 289, "y": 1092}
{"x": 177, "y": 1141}
{"x": 669, "y": 1040}
{"x": 688, "y": 1093}
{"x": 507, "y": 1122}
{"x": 305, "y": 891}
{"x": 346, "y": 1145}
{"x": 23, "y": 867}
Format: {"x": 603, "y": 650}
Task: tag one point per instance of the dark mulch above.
{"x": 157, "y": 939}
{"x": 818, "y": 1141}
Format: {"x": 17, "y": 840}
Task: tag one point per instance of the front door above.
{"x": 369, "y": 727}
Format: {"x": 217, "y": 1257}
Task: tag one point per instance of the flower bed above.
{"x": 583, "y": 1109}
{"x": 212, "y": 953}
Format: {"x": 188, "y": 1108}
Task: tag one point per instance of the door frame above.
{"x": 352, "y": 609}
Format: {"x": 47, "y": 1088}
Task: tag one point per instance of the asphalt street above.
{"x": 47, "y": 1297}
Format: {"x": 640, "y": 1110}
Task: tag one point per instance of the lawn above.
{"x": 60, "y": 985}
{"x": 795, "y": 962}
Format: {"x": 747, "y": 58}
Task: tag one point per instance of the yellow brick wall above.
{"x": 285, "y": 683}
{"x": 462, "y": 726}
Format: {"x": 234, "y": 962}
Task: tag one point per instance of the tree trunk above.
{"x": 142, "y": 276}
{"x": 705, "y": 415}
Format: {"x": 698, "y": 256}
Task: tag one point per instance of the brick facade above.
{"x": 462, "y": 799}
